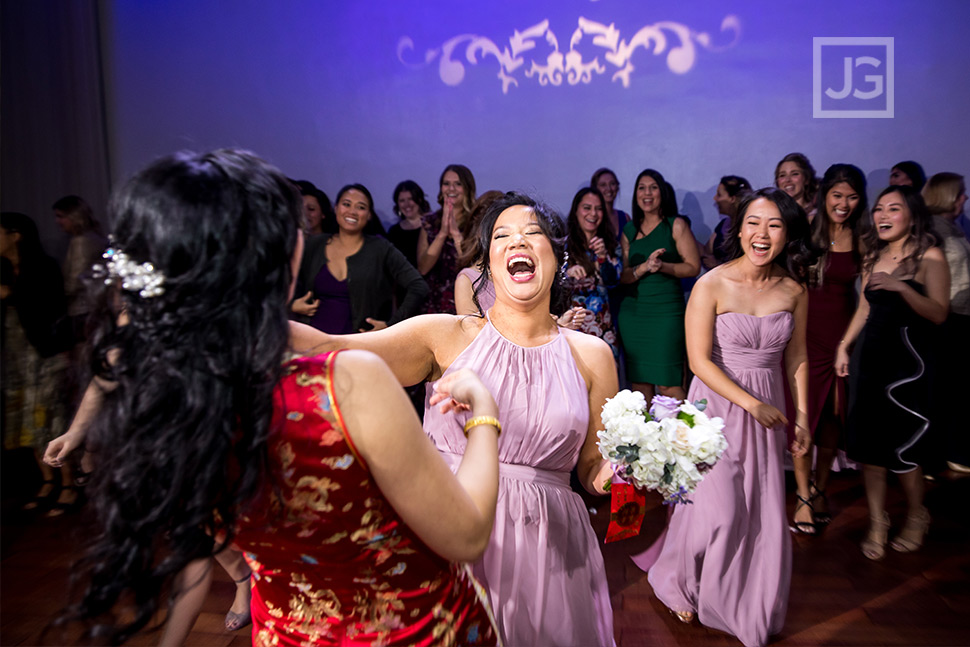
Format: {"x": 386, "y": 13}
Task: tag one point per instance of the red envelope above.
{"x": 628, "y": 505}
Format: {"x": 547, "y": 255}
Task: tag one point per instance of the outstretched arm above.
{"x": 408, "y": 347}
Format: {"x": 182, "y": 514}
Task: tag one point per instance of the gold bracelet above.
{"x": 484, "y": 420}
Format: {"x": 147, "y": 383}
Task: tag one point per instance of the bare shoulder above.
{"x": 592, "y": 354}
{"x": 712, "y": 279}
{"x": 934, "y": 254}
{"x": 793, "y": 287}
{"x": 680, "y": 226}
{"x": 360, "y": 376}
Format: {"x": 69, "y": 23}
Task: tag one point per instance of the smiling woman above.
{"x": 906, "y": 293}
{"x": 595, "y": 264}
{"x": 347, "y": 279}
{"x": 658, "y": 251}
{"x": 727, "y": 558}
{"x": 543, "y": 570}
{"x": 440, "y": 240}
{"x": 836, "y": 233}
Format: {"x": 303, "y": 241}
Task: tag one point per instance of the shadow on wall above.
{"x": 876, "y": 181}
{"x": 691, "y": 207}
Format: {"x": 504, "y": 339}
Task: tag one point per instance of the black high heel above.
{"x": 61, "y": 507}
{"x": 43, "y": 500}
{"x": 803, "y": 527}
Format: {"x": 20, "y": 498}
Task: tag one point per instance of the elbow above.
{"x": 472, "y": 547}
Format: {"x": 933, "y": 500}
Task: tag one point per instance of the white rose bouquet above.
{"x": 668, "y": 448}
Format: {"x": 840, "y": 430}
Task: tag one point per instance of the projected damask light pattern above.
{"x": 676, "y": 39}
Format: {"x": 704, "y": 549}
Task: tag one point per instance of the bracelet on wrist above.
{"x": 483, "y": 420}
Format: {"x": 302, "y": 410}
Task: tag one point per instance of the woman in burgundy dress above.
{"x": 837, "y": 232}
{"x": 215, "y": 420}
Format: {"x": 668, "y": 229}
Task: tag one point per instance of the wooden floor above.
{"x": 837, "y": 596}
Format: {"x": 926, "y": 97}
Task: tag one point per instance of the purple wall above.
{"x": 333, "y": 92}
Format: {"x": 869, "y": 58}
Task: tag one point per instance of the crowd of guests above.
{"x": 310, "y": 458}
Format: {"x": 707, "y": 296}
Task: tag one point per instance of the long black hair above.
{"x": 920, "y": 230}
{"x": 551, "y": 225}
{"x": 578, "y": 247}
{"x": 799, "y": 253}
{"x": 328, "y": 219}
{"x": 856, "y": 222}
{"x": 180, "y": 441}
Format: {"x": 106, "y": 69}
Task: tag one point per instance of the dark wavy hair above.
{"x": 374, "y": 226}
{"x": 417, "y": 194}
{"x": 577, "y": 247}
{"x": 180, "y": 441}
{"x": 811, "y": 180}
{"x": 668, "y": 199}
{"x": 468, "y": 181}
{"x": 914, "y": 171}
{"x": 735, "y": 184}
{"x": 798, "y": 254}
{"x": 920, "y": 230}
{"x": 551, "y": 225}
{"x": 857, "y": 221}
{"x": 328, "y": 219}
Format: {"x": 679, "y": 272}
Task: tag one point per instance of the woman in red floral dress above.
{"x": 214, "y": 421}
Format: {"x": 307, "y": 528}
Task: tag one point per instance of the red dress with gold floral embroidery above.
{"x": 333, "y": 563}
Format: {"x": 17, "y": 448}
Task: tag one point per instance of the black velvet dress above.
{"x": 890, "y": 377}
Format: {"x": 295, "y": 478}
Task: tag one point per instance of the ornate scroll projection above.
{"x": 681, "y": 54}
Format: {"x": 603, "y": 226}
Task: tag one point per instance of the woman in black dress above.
{"x": 906, "y": 294}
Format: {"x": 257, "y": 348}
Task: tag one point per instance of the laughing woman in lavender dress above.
{"x": 726, "y": 559}
{"x": 543, "y": 568}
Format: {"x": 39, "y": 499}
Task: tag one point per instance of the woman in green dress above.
{"x": 658, "y": 250}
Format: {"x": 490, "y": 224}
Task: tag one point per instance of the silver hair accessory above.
{"x": 142, "y": 278}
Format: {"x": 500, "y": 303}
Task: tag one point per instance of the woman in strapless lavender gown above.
{"x": 543, "y": 568}
{"x": 727, "y": 557}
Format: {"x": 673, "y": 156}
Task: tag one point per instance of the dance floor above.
{"x": 837, "y": 596}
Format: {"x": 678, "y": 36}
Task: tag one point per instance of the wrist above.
{"x": 479, "y": 421}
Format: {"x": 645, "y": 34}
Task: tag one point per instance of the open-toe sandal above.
{"x": 874, "y": 545}
{"x": 803, "y": 527}
{"x": 822, "y": 518}
{"x": 236, "y": 621}
{"x": 910, "y": 538}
